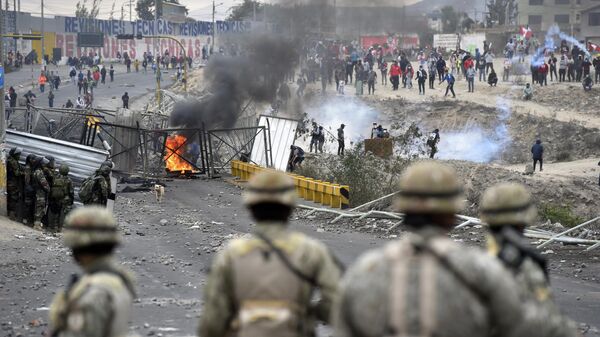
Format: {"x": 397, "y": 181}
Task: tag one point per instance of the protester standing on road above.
{"x": 42, "y": 82}
{"x": 432, "y": 74}
{"x": 552, "y": 61}
{"x": 383, "y": 68}
{"x": 99, "y": 302}
{"x": 111, "y": 73}
{"x": 341, "y": 141}
{"x": 125, "y": 99}
{"x": 562, "y": 68}
{"x": 103, "y": 75}
{"x": 470, "y": 75}
{"x": 421, "y": 77}
{"x": 51, "y": 99}
{"x": 537, "y": 151}
{"x": 506, "y": 67}
{"x": 449, "y": 78}
{"x": 371, "y": 80}
{"x": 262, "y": 285}
{"x": 395, "y": 75}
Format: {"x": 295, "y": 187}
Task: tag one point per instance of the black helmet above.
{"x": 30, "y": 159}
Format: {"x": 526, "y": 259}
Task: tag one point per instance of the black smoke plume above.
{"x": 233, "y": 80}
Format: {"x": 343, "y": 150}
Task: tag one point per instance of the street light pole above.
{"x": 3, "y": 209}
{"x": 212, "y": 48}
{"x": 43, "y": 48}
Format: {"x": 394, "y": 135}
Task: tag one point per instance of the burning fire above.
{"x": 174, "y": 161}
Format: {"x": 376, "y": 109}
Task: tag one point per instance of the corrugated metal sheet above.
{"x": 282, "y": 131}
{"x": 82, "y": 160}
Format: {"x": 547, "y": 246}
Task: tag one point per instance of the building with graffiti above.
{"x": 60, "y": 35}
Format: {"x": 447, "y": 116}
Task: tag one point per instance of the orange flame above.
{"x": 174, "y": 161}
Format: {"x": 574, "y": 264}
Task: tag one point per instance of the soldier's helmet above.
{"x": 270, "y": 187}
{"x": 104, "y": 170}
{"x": 429, "y": 188}
{"x": 87, "y": 226}
{"x": 30, "y": 159}
{"x": 50, "y": 161}
{"x": 14, "y": 152}
{"x": 64, "y": 169}
{"x": 507, "y": 204}
{"x": 108, "y": 163}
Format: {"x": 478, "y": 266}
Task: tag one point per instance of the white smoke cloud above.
{"x": 549, "y": 44}
{"x": 354, "y": 113}
{"x": 474, "y": 143}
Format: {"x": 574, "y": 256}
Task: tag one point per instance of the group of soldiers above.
{"x": 424, "y": 284}
{"x": 41, "y": 196}
{"x": 36, "y": 192}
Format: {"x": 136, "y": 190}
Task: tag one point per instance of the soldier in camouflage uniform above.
{"x": 42, "y": 188}
{"x": 262, "y": 285}
{"x": 507, "y": 209}
{"x": 69, "y": 198}
{"x": 28, "y": 190}
{"x": 60, "y": 193}
{"x": 425, "y": 284}
{"x": 14, "y": 183}
{"x": 98, "y": 303}
{"x": 101, "y": 189}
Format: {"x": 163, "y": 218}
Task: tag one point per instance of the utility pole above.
{"x": 212, "y": 48}
{"x": 43, "y": 48}
{"x": 130, "y": 16}
{"x": 122, "y": 12}
{"x": 15, "y": 26}
{"x": 2, "y": 121}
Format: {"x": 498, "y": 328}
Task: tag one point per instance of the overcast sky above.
{"x": 199, "y": 9}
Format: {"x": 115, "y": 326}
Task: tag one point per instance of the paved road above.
{"x": 106, "y": 96}
{"x": 170, "y": 246}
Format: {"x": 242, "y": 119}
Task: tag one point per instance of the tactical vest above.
{"x": 58, "y": 191}
{"x": 268, "y": 293}
{"x": 121, "y": 296}
{"x": 426, "y": 298}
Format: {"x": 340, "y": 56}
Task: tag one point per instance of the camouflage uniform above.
{"x": 69, "y": 196}
{"x": 101, "y": 189}
{"x": 426, "y": 284}
{"x": 28, "y": 190}
{"x": 41, "y": 193}
{"x": 252, "y": 291}
{"x": 507, "y": 207}
{"x": 97, "y": 304}
{"x": 61, "y": 193}
{"x": 14, "y": 184}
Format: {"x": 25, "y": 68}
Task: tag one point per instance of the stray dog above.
{"x": 159, "y": 191}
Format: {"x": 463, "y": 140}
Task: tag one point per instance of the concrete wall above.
{"x": 590, "y": 33}
{"x": 548, "y": 10}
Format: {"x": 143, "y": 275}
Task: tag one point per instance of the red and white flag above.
{"x": 592, "y": 47}
{"x": 525, "y": 32}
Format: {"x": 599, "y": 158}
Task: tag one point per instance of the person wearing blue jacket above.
{"x": 449, "y": 78}
{"x": 537, "y": 150}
